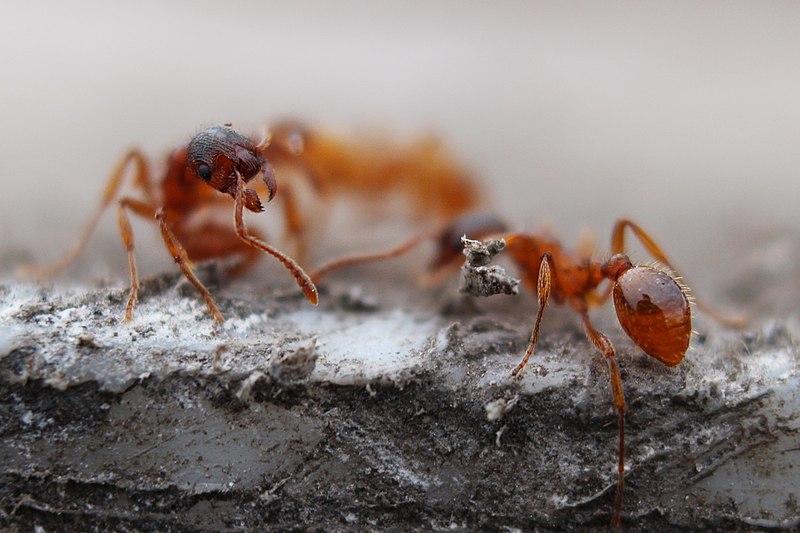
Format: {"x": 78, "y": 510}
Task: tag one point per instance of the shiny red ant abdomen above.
{"x": 654, "y": 311}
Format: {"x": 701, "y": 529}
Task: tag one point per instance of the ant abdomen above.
{"x": 653, "y": 309}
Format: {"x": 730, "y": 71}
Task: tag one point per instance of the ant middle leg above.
{"x": 602, "y": 343}
{"x": 543, "y": 286}
{"x": 618, "y": 246}
{"x": 296, "y": 226}
{"x": 180, "y": 256}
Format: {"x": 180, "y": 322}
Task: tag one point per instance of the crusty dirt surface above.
{"x": 386, "y": 408}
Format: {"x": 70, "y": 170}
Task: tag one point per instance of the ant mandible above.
{"x": 652, "y": 305}
{"x": 218, "y": 159}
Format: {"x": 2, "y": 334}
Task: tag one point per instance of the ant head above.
{"x": 218, "y": 154}
{"x": 474, "y": 226}
{"x": 652, "y": 308}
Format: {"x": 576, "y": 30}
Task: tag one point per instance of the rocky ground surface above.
{"x": 385, "y": 408}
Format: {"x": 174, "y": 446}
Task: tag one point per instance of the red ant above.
{"x": 652, "y": 306}
{"x": 437, "y": 188}
{"x": 218, "y": 159}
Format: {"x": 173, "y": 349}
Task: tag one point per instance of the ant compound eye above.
{"x": 653, "y": 310}
{"x": 204, "y": 172}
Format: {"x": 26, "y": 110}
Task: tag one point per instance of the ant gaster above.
{"x": 217, "y": 160}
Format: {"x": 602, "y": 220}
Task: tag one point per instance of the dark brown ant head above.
{"x": 652, "y": 308}
{"x": 217, "y": 154}
{"x": 474, "y": 226}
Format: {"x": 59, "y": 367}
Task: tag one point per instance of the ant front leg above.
{"x": 348, "y": 261}
{"x": 602, "y": 343}
{"x": 144, "y": 210}
{"x": 543, "y": 286}
{"x": 141, "y": 178}
{"x": 302, "y": 279}
{"x": 618, "y": 246}
{"x": 180, "y": 256}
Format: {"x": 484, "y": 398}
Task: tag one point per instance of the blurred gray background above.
{"x": 684, "y": 116}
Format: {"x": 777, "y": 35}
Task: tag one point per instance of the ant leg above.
{"x": 295, "y": 223}
{"x": 618, "y": 240}
{"x": 141, "y": 178}
{"x": 144, "y": 210}
{"x": 618, "y": 246}
{"x": 285, "y": 145}
{"x": 353, "y": 260}
{"x": 182, "y": 259}
{"x": 596, "y": 298}
{"x": 302, "y": 279}
{"x": 602, "y": 343}
{"x": 543, "y": 291}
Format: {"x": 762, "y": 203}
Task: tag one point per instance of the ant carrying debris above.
{"x": 651, "y": 304}
{"x": 372, "y": 171}
{"x": 216, "y": 160}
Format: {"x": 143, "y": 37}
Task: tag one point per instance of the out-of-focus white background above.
{"x": 682, "y": 115}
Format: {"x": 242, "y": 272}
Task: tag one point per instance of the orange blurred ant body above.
{"x": 437, "y": 188}
{"x": 216, "y": 160}
{"x": 652, "y": 306}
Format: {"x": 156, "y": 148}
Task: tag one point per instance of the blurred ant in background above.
{"x": 216, "y": 160}
{"x": 372, "y": 172}
{"x": 219, "y": 159}
{"x": 652, "y": 305}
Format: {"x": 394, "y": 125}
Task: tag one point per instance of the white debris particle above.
{"x": 496, "y": 409}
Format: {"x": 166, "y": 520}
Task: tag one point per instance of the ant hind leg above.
{"x": 602, "y": 343}
{"x": 352, "y": 260}
{"x": 618, "y": 246}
